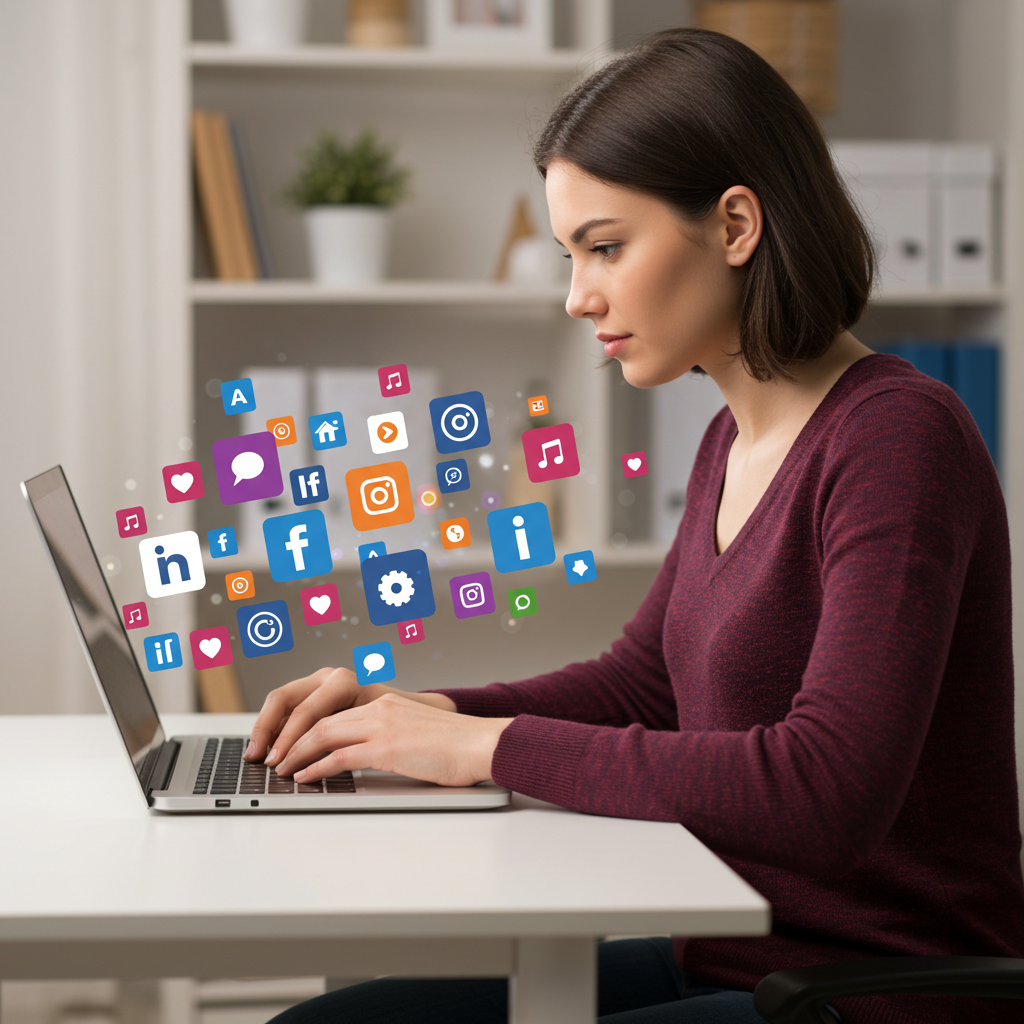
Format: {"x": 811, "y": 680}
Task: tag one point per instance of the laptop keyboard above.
{"x": 222, "y": 772}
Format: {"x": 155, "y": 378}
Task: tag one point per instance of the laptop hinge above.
{"x": 164, "y": 766}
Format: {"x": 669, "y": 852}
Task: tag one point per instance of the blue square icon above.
{"x": 521, "y": 537}
{"x": 453, "y": 476}
{"x": 237, "y": 396}
{"x": 327, "y": 430}
{"x": 397, "y": 587}
{"x": 222, "y": 542}
{"x": 163, "y": 652}
{"x": 374, "y": 663}
{"x": 375, "y": 550}
{"x": 264, "y": 629}
{"x": 297, "y": 545}
{"x": 460, "y": 422}
{"x": 309, "y": 485}
{"x": 580, "y": 567}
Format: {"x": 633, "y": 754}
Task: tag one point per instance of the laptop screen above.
{"x": 99, "y": 624}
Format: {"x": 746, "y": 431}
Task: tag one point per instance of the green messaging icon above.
{"x": 522, "y": 602}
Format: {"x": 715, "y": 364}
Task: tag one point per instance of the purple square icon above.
{"x": 472, "y": 595}
{"x": 247, "y": 468}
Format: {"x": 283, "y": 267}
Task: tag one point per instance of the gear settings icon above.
{"x": 396, "y": 588}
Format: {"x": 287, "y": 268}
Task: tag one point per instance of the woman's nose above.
{"x": 584, "y": 301}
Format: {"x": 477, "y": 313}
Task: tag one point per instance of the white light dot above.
{"x": 505, "y": 467}
{"x": 130, "y": 485}
{"x": 354, "y": 620}
{"x": 486, "y": 460}
{"x": 517, "y": 521}
{"x": 185, "y": 444}
{"x": 215, "y": 599}
{"x": 160, "y": 516}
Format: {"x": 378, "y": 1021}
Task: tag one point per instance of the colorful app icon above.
{"x": 538, "y": 405}
{"x": 387, "y": 433}
{"x": 580, "y": 567}
{"x": 551, "y": 453}
{"x": 240, "y": 585}
{"x": 455, "y": 533}
{"x": 222, "y": 542}
{"x": 131, "y": 522}
{"x": 374, "y": 550}
{"x": 379, "y": 496}
{"x": 327, "y": 430}
{"x": 238, "y": 396}
{"x": 453, "y": 476}
{"x": 283, "y": 430}
{"x": 248, "y": 468}
{"x": 472, "y": 595}
{"x": 163, "y": 652}
{"x": 634, "y": 464}
{"x": 172, "y": 564}
{"x": 374, "y": 663}
{"x": 264, "y": 629}
{"x": 394, "y": 380}
{"x": 309, "y": 485}
{"x": 427, "y": 498}
{"x": 459, "y": 422}
{"x": 297, "y": 545}
{"x": 411, "y": 632}
{"x": 521, "y": 537}
{"x": 320, "y": 604}
{"x": 136, "y": 616}
{"x": 183, "y": 481}
{"x": 522, "y": 602}
{"x": 397, "y": 587}
{"x": 211, "y": 647}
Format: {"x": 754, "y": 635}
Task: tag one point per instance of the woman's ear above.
{"x": 740, "y": 215}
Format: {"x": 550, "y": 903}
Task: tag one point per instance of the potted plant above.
{"x": 346, "y": 194}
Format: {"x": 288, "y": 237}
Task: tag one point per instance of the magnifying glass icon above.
{"x": 525, "y": 598}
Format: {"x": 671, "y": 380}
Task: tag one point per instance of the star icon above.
{"x": 580, "y": 568}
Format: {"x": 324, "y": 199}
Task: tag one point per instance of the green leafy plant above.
{"x": 334, "y": 174}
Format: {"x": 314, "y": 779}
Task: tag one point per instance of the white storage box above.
{"x": 965, "y": 182}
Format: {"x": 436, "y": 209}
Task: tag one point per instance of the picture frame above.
{"x": 511, "y": 26}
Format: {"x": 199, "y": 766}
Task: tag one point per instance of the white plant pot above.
{"x": 348, "y": 244}
{"x": 266, "y": 24}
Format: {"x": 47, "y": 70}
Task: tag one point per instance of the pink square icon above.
{"x": 410, "y": 632}
{"x": 634, "y": 464}
{"x": 551, "y": 453}
{"x": 183, "y": 481}
{"x": 211, "y": 647}
{"x": 320, "y": 604}
{"x": 131, "y": 522}
{"x": 394, "y": 380}
{"x": 135, "y": 615}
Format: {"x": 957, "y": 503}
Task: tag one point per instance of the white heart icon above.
{"x": 634, "y": 464}
{"x": 210, "y": 647}
{"x": 320, "y": 603}
{"x": 182, "y": 482}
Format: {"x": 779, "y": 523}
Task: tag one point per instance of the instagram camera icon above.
{"x": 379, "y": 496}
{"x": 472, "y": 595}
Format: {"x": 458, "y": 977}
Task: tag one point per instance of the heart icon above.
{"x": 211, "y": 645}
{"x": 634, "y": 464}
{"x": 182, "y": 482}
{"x": 320, "y": 604}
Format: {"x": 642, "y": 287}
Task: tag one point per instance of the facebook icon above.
{"x": 309, "y": 485}
{"x": 297, "y": 545}
{"x": 222, "y": 542}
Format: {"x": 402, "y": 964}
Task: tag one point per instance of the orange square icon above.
{"x": 379, "y": 496}
{"x": 283, "y": 429}
{"x": 539, "y": 405}
{"x": 240, "y": 585}
{"x": 455, "y": 533}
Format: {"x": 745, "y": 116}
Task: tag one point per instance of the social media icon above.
{"x": 374, "y": 663}
{"x": 472, "y": 595}
{"x": 131, "y": 522}
{"x": 240, "y": 585}
{"x": 283, "y": 430}
{"x": 320, "y": 604}
{"x": 455, "y": 533}
{"x": 379, "y": 496}
{"x": 211, "y": 647}
{"x": 453, "y": 476}
{"x": 397, "y": 587}
{"x": 183, "y": 481}
{"x": 374, "y": 550}
{"x": 264, "y": 629}
{"x": 522, "y": 602}
{"x": 297, "y": 545}
{"x": 387, "y": 433}
{"x": 172, "y": 564}
{"x": 411, "y": 632}
{"x": 237, "y": 396}
{"x": 136, "y": 616}
{"x": 634, "y": 464}
{"x": 222, "y": 542}
{"x": 394, "y": 380}
{"x": 521, "y": 537}
{"x": 309, "y": 485}
{"x": 580, "y": 567}
{"x": 551, "y": 453}
{"x": 538, "y": 405}
{"x": 163, "y": 652}
{"x": 459, "y": 422}
{"x": 327, "y": 430}
{"x": 248, "y": 468}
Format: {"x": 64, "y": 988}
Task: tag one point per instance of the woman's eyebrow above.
{"x": 584, "y": 228}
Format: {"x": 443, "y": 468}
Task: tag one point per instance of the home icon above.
{"x": 327, "y": 430}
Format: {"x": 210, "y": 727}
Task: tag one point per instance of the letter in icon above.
{"x": 327, "y": 430}
{"x": 163, "y": 652}
{"x": 551, "y": 453}
{"x": 131, "y": 522}
{"x": 472, "y": 595}
{"x": 136, "y": 616}
{"x": 459, "y": 422}
{"x": 521, "y": 537}
{"x": 237, "y": 396}
{"x": 172, "y": 564}
{"x": 538, "y": 405}
{"x": 240, "y": 585}
{"x": 455, "y": 533}
{"x": 297, "y": 545}
{"x": 374, "y": 663}
{"x": 453, "y": 476}
{"x": 411, "y": 632}
{"x": 379, "y": 496}
{"x": 634, "y": 464}
{"x": 320, "y": 604}
{"x": 387, "y": 433}
{"x": 211, "y": 647}
{"x": 522, "y": 602}
{"x": 397, "y": 587}
{"x": 222, "y": 542}
{"x": 264, "y": 629}
{"x": 374, "y": 550}
{"x": 394, "y": 380}
{"x": 580, "y": 567}
{"x": 283, "y": 430}
{"x": 183, "y": 481}
{"x": 309, "y": 485}
{"x": 248, "y": 468}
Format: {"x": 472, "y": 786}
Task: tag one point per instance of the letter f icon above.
{"x": 295, "y": 543}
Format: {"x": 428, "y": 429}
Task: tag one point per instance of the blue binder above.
{"x": 975, "y": 372}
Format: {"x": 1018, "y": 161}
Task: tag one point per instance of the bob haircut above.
{"x": 686, "y": 114}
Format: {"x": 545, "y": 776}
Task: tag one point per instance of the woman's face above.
{"x": 663, "y": 293}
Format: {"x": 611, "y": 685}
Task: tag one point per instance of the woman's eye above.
{"x": 606, "y": 250}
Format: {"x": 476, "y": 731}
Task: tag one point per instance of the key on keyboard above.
{"x": 227, "y": 775}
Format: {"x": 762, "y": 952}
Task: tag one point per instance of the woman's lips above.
{"x": 613, "y": 343}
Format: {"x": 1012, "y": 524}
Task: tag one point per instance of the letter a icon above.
{"x": 238, "y": 397}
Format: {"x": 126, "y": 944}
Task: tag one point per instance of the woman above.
{"x": 819, "y": 683}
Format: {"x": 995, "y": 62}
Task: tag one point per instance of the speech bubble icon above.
{"x": 246, "y": 466}
{"x": 453, "y": 475}
{"x": 526, "y": 602}
{"x": 373, "y": 662}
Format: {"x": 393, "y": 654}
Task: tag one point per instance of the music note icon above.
{"x": 131, "y": 522}
{"x": 135, "y": 615}
{"x": 551, "y": 452}
{"x": 410, "y": 632}
{"x": 559, "y": 458}
{"x": 394, "y": 380}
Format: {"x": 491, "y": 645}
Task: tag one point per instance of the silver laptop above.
{"x": 197, "y": 773}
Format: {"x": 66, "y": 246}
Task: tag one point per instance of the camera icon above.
{"x": 472, "y": 595}
{"x": 459, "y": 422}
{"x": 240, "y": 585}
{"x": 378, "y": 495}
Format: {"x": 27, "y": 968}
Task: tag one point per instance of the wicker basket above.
{"x": 797, "y": 37}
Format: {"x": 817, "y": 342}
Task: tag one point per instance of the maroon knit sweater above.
{"x": 828, "y": 705}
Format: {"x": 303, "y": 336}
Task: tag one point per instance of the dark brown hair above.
{"x": 686, "y": 114}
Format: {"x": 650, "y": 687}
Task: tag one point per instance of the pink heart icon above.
{"x": 210, "y": 647}
{"x": 634, "y": 464}
{"x": 182, "y": 482}
{"x": 320, "y": 603}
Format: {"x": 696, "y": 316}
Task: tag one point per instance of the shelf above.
{"x": 934, "y": 295}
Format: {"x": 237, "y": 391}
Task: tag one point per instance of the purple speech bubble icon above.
{"x": 248, "y": 468}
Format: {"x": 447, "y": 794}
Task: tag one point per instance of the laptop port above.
{"x": 254, "y": 803}
{"x": 221, "y": 803}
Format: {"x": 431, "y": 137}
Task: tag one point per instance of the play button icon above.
{"x": 387, "y": 433}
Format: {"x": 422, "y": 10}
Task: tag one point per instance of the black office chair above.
{"x": 799, "y": 996}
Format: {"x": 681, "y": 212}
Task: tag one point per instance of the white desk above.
{"x": 94, "y": 885}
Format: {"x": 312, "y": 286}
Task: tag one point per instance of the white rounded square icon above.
{"x": 379, "y": 494}
{"x": 172, "y": 564}
{"x": 387, "y": 433}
